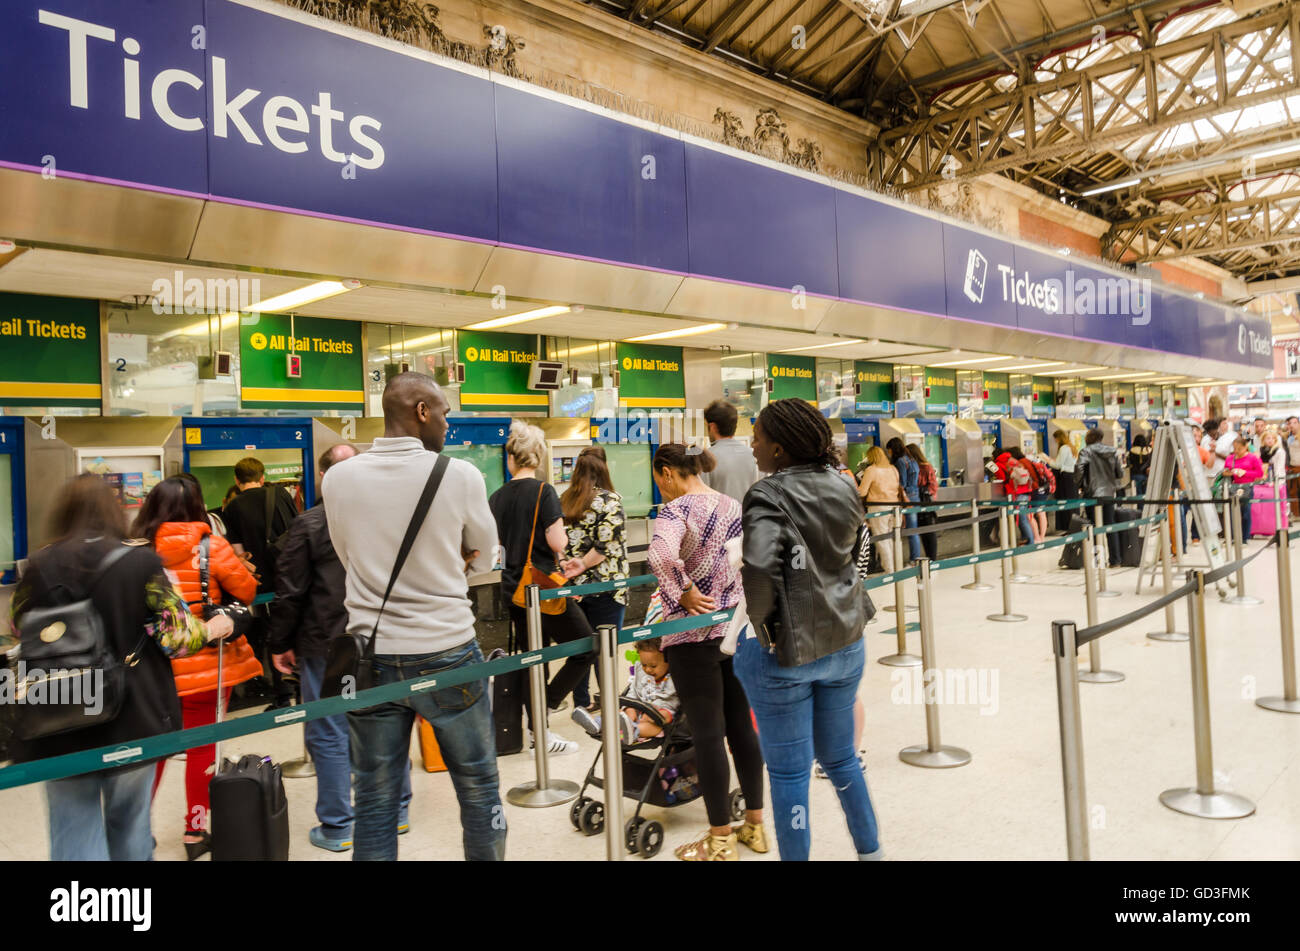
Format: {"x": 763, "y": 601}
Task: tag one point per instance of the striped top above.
{"x": 688, "y": 544}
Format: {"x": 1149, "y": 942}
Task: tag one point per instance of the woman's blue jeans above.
{"x": 804, "y": 712}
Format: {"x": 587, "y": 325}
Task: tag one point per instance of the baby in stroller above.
{"x": 652, "y": 684}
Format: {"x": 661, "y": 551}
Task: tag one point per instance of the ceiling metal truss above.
{"x": 1101, "y": 108}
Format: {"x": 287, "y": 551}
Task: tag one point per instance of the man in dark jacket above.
{"x": 309, "y": 589}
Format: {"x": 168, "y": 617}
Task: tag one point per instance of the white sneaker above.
{"x": 555, "y": 745}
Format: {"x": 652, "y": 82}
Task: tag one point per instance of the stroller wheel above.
{"x": 649, "y": 838}
{"x": 591, "y": 818}
{"x": 630, "y": 829}
{"x": 575, "y": 811}
{"x": 737, "y": 805}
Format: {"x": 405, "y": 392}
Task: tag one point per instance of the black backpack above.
{"x": 64, "y": 646}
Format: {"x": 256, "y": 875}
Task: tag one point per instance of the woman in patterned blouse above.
{"x": 688, "y": 556}
{"x": 597, "y": 551}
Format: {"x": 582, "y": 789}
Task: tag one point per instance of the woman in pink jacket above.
{"x": 1246, "y": 469}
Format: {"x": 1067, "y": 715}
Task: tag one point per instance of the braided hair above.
{"x": 801, "y": 431}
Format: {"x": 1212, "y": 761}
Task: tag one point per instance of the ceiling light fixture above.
{"x": 303, "y": 296}
{"x": 536, "y": 314}
{"x": 1111, "y": 187}
{"x": 682, "y": 332}
{"x": 1029, "y": 366}
{"x": 822, "y": 346}
{"x": 962, "y": 363}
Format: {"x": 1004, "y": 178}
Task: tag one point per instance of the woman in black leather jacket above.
{"x": 802, "y": 667}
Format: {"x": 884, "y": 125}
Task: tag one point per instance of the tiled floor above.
{"x": 1007, "y": 804}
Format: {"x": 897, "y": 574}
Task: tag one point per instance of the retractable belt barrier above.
{"x": 165, "y": 744}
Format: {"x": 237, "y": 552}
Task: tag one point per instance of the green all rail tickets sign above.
{"x": 330, "y": 359}
{"x": 496, "y": 372}
{"x": 792, "y": 377}
{"x": 1044, "y": 396}
{"x": 1126, "y": 400}
{"x": 875, "y": 386}
{"x": 650, "y": 377}
{"x": 998, "y": 388}
{"x": 940, "y": 390}
{"x": 1155, "y": 401}
{"x": 49, "y": 351}
{"x": 1181, "y": 407}
{"x": 1092, "y": 397}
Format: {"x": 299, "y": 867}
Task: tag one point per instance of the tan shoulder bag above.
{"x": 542, "y": 579}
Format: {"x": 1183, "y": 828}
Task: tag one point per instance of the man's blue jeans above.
{"x": 101, "y": 817}
{"x": 327, "y": 742}
{"x": 804, "y": 712}
{"x": 381, "y": 746}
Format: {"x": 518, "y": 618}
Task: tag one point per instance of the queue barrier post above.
{"x": 1241, "y": 597}
{"x": 1288, "y": 702}
{"x": 303, "y": 767}
{"x": 1102, "y": 590}
{"x": 976, "y": 584}
{"x": 900, "y": 590}
{"x": 1170, "y": 633}
{"x": 1017, "y": 576}
{"x": 544, "y": 791}
{"x": 1004, "y": 534}
{"x": 902, "y": 658}
{"x": 1202, "y": 800}
{"x": 933, "y": 755}
{"x": 1071, "y": 726}
{"x": 1091, "y": 559}
{"x": 612, "y": 745}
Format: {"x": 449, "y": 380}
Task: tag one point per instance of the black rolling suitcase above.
{"x": 1130, "y": 540}
{"x": 250, "y": 814}
{"x": 1072, "y": 554}
{"x": 508, "y": 705}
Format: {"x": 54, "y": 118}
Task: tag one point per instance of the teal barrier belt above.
{"x": 880, "y": 581}
{"x": 1124, "y": 526}
{"x": 155, "y": 747}
{"x": 596, "y": 587}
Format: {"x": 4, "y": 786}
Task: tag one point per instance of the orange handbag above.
{"x": 535, "y": 576}
{"x": 429, "y": 751}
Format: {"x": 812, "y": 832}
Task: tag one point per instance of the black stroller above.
{"x": 665, "y": 779}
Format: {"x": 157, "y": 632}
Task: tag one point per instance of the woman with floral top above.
{"x": 105, "y": 815}
{"x": 689, "y": 558}
{"x": 597, "y": 549}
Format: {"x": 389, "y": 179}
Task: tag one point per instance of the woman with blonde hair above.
{"x": 879, "y": 487}
{"x": 530, "y": 524}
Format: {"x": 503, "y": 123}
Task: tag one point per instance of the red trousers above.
{"x": 197, "y": 709}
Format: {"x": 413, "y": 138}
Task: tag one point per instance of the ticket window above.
{"x": 629, "y": 470}
{"x": 489, "y": 460}
{"x": 11, "y": 508}
{"x": 215, "y": 470}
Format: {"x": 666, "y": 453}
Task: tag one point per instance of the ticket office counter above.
{"x": 212, "y": 446}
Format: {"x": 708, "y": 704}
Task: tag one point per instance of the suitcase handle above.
{"x": 221, "y": 711}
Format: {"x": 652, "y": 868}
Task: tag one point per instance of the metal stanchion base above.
{"x": 1100, "y": 677}
{"x": 1218, "y": 805}
{"x": 1110, "y": 594}
{"x": 977, "y": 586}
{"x": 945, "y": 757}
{"x": 1243, "y": 599}
{"x": 1168, "y": 636}
{"x": 1279, "y": 704}
{"x": 906, "y": 607}
{"x": 298, "y": 768}
{"x": 900, "y": 660}
{"x": 1018, "y": 579}
{"x": 1008, "y": 617}
{"x": 557, "y": 793}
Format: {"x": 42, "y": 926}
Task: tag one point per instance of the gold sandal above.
{"x": 709, "y": 848}
{"x": 752, "y": 835}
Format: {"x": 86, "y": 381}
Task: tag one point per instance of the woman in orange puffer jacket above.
{"x": 174, "y": 521}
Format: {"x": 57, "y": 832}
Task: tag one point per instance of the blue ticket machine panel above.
{"x": 13, "y": 497}
{"x": 481, "y": 441}
{"x": 933, "y": 445}
{"x": 213, "y": 445}
{"x": 991, "y": 433}
{"x": 862, "y": 434}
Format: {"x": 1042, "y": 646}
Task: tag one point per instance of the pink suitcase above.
{"x": 1263, "y": 511}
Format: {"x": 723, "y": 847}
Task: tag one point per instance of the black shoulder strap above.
{"x": 270, "y": 510}
{"x": 412, "y": 530}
